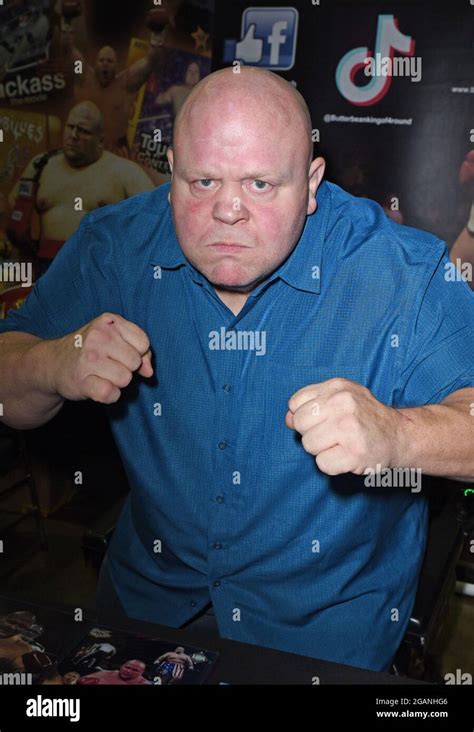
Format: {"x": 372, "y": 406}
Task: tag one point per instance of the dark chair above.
{"x": 14, "y": 455}
{"x": 450, "y": 521}
{"x": 98, "y": 534}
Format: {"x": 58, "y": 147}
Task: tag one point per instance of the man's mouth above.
{"x": 228, "y": 247}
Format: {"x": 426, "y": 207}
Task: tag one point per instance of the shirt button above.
{"x": 220, "y": 499}
{"x": 227, "y": 388}
{"x": 193, "y": 603}
{"x": 222, "y": 445}
{"x": 217, "y": 583}
{"x": 217, "y": 545}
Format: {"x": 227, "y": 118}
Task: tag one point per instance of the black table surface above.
{"x": 238, "y": 663}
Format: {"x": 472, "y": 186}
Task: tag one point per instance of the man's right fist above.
{"x": 102, "y": 361}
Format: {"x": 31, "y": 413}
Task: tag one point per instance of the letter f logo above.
{"x": 388, "y": 40}
{"x": 276, "y": 39}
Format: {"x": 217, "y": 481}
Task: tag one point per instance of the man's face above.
{"x": 81, "y": 141}
{"x": 239, "y": 195}
{"x": 131, "y": 670}
{"x": 106, "y": 66}
{"x": 193, "y": 75}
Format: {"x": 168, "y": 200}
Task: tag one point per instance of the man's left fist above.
{"x": 345, "y": 427}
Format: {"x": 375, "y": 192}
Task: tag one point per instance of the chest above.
{"x": 63, "y": 186}
{"x": 227, "y": 379}
{"x": 109, "y": 99}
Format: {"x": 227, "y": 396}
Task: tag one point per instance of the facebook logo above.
{"x": 268, "y": 38}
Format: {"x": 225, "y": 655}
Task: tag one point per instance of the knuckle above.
{"x": 344, "y": 399}
{"x": 91, "y": 356}
{"x": 306, "y": 442}
{"x": 348, "y": 423}
{"x": 338, "y": 382}
{"x": 105, "y": 317}
{"x": 297, "y": 422}
{"x": 104, "y": 391}
{"x": 124, "y": 379}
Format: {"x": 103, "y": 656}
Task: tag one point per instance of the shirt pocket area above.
{"x": 281, "y": 443}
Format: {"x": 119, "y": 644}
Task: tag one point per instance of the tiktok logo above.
{"x": 388, "y": 40}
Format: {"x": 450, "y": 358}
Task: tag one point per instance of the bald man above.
{"x": 280, "y": 363}
{"x": 82, "y": 170}
{"x": 114, "y": 91}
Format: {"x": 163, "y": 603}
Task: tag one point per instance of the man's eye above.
{"x": 204, "y": 183}
{"x": 261, "y": 185}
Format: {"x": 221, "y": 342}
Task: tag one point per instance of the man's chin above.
{"x": 239, "y": 287}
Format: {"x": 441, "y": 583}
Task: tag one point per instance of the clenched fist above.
{"x": 99, "y": 359}
{"x": 345, "y": 427}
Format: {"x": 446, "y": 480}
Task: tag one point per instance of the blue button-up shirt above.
{"x": 225, "y": 504}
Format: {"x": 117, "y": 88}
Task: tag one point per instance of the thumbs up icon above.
{"x": 250, "y": 49}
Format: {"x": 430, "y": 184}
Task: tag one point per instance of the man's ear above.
{"x": 169, "y": 155}
{"x": 316, "y": 173}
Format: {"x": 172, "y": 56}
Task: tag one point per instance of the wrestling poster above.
{"x": 390, "y": 86}
{"x": 88, "y": 96}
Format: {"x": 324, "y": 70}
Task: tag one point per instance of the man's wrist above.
{"x": 44, "y": 363}
{"x": 403, "y": 439}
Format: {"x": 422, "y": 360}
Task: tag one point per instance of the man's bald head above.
{"x": 251, "y": 91}
{"x": 83, "y": 134}
{"x": 89, "y": 111}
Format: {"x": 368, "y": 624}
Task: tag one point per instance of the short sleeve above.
{"x": 440, "y": 355}
{"x": 79, "y": 285}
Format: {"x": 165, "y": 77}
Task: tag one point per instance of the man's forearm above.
{"x": 27, "y": 398}
{"x": 138, "y": 73}
{"x": 439, "y": 438}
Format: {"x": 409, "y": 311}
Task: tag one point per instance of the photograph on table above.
{"x": 117, "y": 658}
{"x": 33, "y": 641}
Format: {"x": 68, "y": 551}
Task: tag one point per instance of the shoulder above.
{"x": 362, "y": 224}
{"x": 131, "y": 227}
{"x": 119, "y": 164}
{"x": 133, "y": 210}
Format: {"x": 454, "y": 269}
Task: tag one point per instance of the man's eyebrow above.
{"x": 252, "y": 174}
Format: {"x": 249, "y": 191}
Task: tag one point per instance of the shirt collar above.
{"x": 302, "y": 269}
{"x": 167, "y": 254}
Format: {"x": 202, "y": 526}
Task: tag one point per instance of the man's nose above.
{"x": 229, "y": 206}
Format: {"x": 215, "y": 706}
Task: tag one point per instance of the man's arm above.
{"x": 439, "y": 438}
{"x": 137, "y": 74}
{"x": 134, "y": 178}
{"x": 158, "y": 22}
{"x": 165, "y": 97}
{"x": 348, "y": 430}
{"x": 28, "y": 172}
{"x": 25, "y": 392}
{"x": 95, "y": 362}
